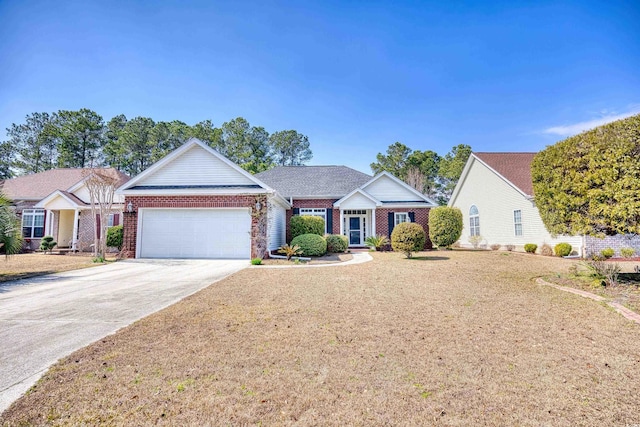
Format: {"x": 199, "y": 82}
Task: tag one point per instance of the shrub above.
{"x": 475, "y": 241}
{"x": 562, "y": 249}
{"x": 47, "y": 244}
{"x": 510, "y": 247}
{"x": 627, "y": 252}
{"x": 311, "y": 244}
{"x": 495, "y": 246}
{"x": 115, "y": 237}
{"x": 605, "y": 272}
{"x": 336, "y": 243}
{"x": 289, "y": 251}
{"x": 256, "y": 261}
{"x": 306, "y": 224}
{"x": 530, "y": 248}
{"x": 408, "y": 237}
{"x": 607, "y": 253}
{"x": 445, "y": 226}
{"x": 546, "y": 250}
{"x": 377, "y": 242}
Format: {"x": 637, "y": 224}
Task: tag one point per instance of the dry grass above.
{"x": 28, "y": 265}
{"x": 448, "y": 338}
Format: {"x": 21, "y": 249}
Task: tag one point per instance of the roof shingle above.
{"x": 515, "y": 167}
{"x": 313, "y": 181}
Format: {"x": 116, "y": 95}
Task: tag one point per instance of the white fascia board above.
{"x": 360, "y": 191}
{"x": 406, "y": 205}
{"x": 401, "y": 183}
{"x": 462, "y": 179}
{"x": 41, "y": 204}
{"x": 193, "y": 192}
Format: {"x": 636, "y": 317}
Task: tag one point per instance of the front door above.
{"x": 355, "y": 230}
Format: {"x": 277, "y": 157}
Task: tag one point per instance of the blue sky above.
{"x": 353, "y": 76}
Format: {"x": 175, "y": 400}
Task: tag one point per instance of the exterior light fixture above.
{"x": 258, "y": 206}
{"x": 130, "y": 207}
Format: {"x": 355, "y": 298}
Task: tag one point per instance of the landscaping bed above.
{"x": 445, "y": 338}
{"x": 325, "y": 259}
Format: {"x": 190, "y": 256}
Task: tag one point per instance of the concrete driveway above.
{"x": 46, "y": 318}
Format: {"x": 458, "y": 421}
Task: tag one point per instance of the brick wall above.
{"x": 421, "y": 217}
{"x": 130, "y": 220}
{"x": 594, "y": 245}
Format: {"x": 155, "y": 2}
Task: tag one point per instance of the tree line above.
{"x": 433, "y": 175}
{"x": 79, "y": 139}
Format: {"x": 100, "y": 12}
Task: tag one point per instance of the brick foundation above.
{"x": 130, "y": 220}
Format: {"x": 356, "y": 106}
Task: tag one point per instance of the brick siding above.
{"x": 594, "y": 245}
{"x": 130, "y": 220}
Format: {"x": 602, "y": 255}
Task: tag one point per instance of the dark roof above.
{"x": 39, "y": 185}
{"x": 515, "y": 167}
{"x": 313, "y": 181}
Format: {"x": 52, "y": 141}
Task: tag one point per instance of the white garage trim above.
{"x": 194, "y": 233}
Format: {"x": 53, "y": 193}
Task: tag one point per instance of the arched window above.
{"x": 474, "y": 221}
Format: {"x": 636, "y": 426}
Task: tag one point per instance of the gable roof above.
{"x": 420, "y": 199}
{"x": 313, "y": 181}
{"x": 39, "y": 185}
{"x": 514, "y": 167}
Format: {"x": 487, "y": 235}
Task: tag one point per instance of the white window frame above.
{"x": 517, "y": 222}
{"x": 397, "y": 218}
{"x": 110, "y": 219}
{"x": 33, "y": 214}
{"x": 474, "y": 221}
{"x": 321, "y": 212}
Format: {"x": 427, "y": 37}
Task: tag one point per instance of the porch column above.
{"x": 374, "y": 232}
{"x": 49, "y": 223}
{"x": 341, "y": 222}
{"x": 74, "y": 239}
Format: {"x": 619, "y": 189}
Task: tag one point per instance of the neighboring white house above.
{"x": 495, "y": 195}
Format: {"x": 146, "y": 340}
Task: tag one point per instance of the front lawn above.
{"x": 36, "y": 264}
{"x": 447, "y": 338}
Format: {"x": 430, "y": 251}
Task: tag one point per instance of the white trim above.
{"x": 194, "y": 192}
{"x": 405, "y": 206}
{"x": 517, "y": 223}
{"x": 362, "y": 192}
{"x": 74, "y": 239}
{"x": 401, "y": 183}
{"x": 395, "y": 218}
{"x": 192, "y": 142}
{"x": 41, "y": 204}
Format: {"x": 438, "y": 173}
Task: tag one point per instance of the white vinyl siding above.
{"x": 496, "y": 201}
{"x": 196, "y": 167}
{"x": 358, "y": 201}
{"x": 277, "y": 226}
{"x": 194, "y": 233}
{"x": 386, "y": 190}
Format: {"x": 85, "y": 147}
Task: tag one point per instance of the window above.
{"x": 110, "y": 220}
{"x": 32, "y": 223}
{"x": 474, "y": 221}
{"x": 517, "y": 222}
{"x": 321, "y": 212}
{"x": 401, "y": 217}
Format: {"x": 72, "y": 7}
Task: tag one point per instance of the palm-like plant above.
{"x": 10, "y": 231}
{"x": 376, "y": 241}
{"x": 290, "y": 251}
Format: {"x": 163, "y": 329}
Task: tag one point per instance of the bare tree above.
{"x": 101, "y": 184}
{"x": 416, "y": 179}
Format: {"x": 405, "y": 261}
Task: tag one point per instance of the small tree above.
{"x": 408, "y": 237}
{"x": 115, "y": 237}
{"x": 47, "y": 244}
{"x": 10, "y": 231}
{"x": 445, "y": 226}
{"x": 101, "y": 184}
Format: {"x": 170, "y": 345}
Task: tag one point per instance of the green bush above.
{"x": 530, "y": 248}
{"x": 562, "y": 249}
{"x": 311, "y": 244}
{"x": 256, "y": 261}
{"x": 627, "y": 252}
{"x": 306, "y": 224}
{"x": 115, "y": 236}
{"x": 445, "y": 226}
{"x": 408, "y": 237}
{"x": 336, "y": 243}
{"x": 607, "y": 253}
{"x": 377, "y": 242}
{"x": 47, "y": 244}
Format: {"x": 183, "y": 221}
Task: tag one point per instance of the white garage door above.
{"x": 194, "y": 233}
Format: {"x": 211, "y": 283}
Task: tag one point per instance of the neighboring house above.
{"x": 495, "y": 195}
{"x": 56, "y": 202}
{"x": 196, "y": 203}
